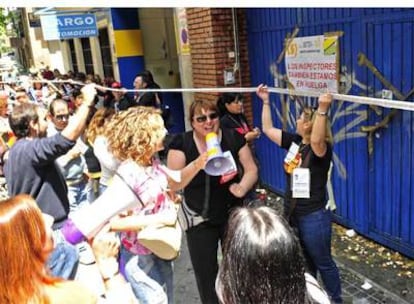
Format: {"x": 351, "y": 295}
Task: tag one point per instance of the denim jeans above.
{"x": 92, "y": 189}
{"x": 78, "y": 196}
{"x": 63, "y": 261}
{"x": 102, "y": 188}
{"x": 147, "y": 275}
{"x": 315, "y": 231}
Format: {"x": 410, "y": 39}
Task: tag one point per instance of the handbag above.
{"x": 187, "y": 217}
{"x": 162, "y": 240}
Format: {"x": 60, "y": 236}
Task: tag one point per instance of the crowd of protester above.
{"x": 63, "y": 142}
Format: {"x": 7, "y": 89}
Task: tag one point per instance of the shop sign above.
{"x": 57, "y": 27}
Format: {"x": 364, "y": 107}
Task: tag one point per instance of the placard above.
{"x": 312, "y": 63}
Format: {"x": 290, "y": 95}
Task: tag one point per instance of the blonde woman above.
{"x": 308, "y": 160}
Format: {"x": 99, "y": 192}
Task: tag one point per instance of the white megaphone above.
{"x": 87, "y": 221}
{"x": 217, "y": 163}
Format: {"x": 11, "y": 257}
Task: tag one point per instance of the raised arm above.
{"x": 273, "y": 133}
{"x": 76, "y": 125}
{"x": 318, "y": 134}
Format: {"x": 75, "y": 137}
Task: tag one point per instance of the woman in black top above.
{"x": 210, "y": 198}
{"x": 307, "y": 164}
{"x": 232, "y": 117}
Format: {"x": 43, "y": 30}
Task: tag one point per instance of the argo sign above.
{"x": 56, "y": 27}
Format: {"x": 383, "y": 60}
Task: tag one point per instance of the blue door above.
{"x": 372, "y": 171}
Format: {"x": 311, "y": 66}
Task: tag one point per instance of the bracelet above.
{"x": 266, "y": 103}
{"x": 321, "y": 113}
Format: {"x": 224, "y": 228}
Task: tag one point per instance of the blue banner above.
{"x": 57, "y": 27}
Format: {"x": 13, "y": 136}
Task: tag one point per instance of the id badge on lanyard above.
{"x": 301, "y": 183}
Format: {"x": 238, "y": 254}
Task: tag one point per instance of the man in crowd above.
{"x": 148, "y": 99}
{"x": 72, "y": 164}
{"x": 30, "y": 168}
{"x": 121, "y": 100}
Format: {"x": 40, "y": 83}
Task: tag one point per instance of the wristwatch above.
{"x": 322, "y": 113}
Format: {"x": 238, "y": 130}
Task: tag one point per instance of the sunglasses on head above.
{"x": 62, "y": 117}
{"x": 203, "y": 118}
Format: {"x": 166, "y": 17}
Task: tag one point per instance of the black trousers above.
{"x": 203, "y": 241}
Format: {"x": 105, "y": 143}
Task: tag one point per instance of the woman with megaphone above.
{"x": 212, "y": 192}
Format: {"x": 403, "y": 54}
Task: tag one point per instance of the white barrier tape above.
{"x": 380, "y": 102}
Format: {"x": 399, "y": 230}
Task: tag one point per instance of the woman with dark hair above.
{"x": 232, "y": 116}
{"x": 263, "y": 263}
{"x": 306, "y": 165}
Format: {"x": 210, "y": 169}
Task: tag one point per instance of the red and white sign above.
{"x": 311, "y": 63}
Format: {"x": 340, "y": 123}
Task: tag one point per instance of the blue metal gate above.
{"x": 372, "y": 180}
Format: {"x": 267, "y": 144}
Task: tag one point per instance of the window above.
{"x": 75, "y": 66}
{"x": 106, "y": 52}
{"x": 87, "y": 55}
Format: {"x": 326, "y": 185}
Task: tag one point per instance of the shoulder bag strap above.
{"x": 130, "y": 188}
{"x": 206, "y": 204}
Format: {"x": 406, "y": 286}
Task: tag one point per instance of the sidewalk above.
{"x": 361, "y": 260}
{"x": 356, "y": 288}
{"x": 185, "y": 286}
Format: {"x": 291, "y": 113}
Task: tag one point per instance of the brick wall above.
{"x": 211, "y": 39}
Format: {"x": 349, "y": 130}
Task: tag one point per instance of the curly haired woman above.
{"x": 133, "y": 138}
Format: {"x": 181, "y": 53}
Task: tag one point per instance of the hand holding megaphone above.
{"x": 217, "y": 163}
{"x": 201, "y": 161}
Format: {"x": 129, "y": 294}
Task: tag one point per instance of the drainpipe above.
{"x": 236, "y": 44}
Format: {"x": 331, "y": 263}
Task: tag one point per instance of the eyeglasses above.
{"x": 62, "y": 117}
{"x": 203, "y": 118}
